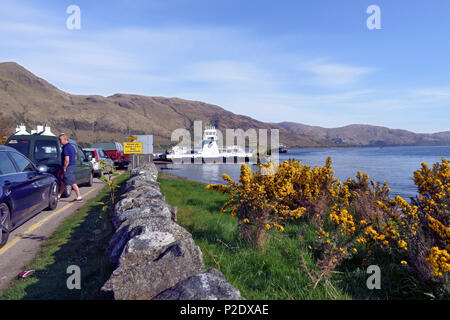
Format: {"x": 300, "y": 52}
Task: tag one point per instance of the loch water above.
{"x": 395, "y": 165}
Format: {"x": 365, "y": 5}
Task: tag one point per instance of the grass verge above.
{"x": 80, "y": 240}
{"x": 273, "y": 274}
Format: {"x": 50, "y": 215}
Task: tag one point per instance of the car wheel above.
{"x": 5, "y": 224}
{"x": 91, "y": 180}
{"x": 53, "y": 198}
{"x": 67, "y": 192}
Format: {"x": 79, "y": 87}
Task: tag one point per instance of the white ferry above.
{"x": 209, "y": 152}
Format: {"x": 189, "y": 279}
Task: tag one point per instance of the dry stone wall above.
{"x": 155, "y": 257}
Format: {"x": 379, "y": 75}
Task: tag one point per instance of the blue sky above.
{"x": 313, "y": 62}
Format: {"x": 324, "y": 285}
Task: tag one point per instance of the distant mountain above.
{"x": 367, "y": 135}
{"x": 26, "y": 98}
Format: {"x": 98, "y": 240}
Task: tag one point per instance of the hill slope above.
{"x": 27, "y": 98}
{"x": 367, "y": 135}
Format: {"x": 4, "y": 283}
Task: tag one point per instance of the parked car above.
{"x": 115, "y": 151}
{"x": 45, "y": 152}
{"x": 99, "y": 155}
{"x": 24, "y": 191}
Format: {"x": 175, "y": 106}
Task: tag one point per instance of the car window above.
{"x": 6, "y": 165}
{"x": 45, "y": 150}
{"x": 108, "y": 146}
{"x": 23, "y": 163}
{"x": 101, "y": 154}
{"x": 81, "y": 154}
{"x": 21, "y": 145}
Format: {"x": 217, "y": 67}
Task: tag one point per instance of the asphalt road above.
{"x": 25, "y": 241}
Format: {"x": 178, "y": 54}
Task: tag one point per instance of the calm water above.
{"x": 392, "y": 164}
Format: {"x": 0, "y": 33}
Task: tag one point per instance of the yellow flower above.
{"x": 267, "y": 226}
{"x": 246, "y": 220}
{"x": 404, "y": 262}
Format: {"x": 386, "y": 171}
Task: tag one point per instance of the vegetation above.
{"x": 80, "y": 240}
{"x": 355, "y": 222}
{"x": 5, "y": 129}
{"x": 299, "y": 233}
{"x": 273, "y": 272}
{"x": 108, "y": 174}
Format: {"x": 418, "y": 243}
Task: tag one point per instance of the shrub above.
{"x": 355, "y": 217}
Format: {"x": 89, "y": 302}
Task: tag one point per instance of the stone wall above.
{"x": 155, "y": 257}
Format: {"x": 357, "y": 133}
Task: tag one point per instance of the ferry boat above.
{"x": 209, "y": 152}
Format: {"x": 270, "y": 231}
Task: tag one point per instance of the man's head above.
{"x": 63, "y": 138}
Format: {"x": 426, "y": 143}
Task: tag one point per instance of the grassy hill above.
{"x": 27, "y": 98}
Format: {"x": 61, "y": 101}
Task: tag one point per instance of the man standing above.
{"x": 68, "y": 157}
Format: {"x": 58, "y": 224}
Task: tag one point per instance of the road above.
{"x": 25, "y": 241}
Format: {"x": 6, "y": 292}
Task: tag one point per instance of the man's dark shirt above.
{"x": 69, "y": 150}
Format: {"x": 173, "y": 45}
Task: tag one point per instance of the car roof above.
{"x": 32, "y": 136}
{"x": 39, "y": 137}
{"x": 6, "y": 148}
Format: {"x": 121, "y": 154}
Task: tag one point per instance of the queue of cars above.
{"x": 24, "y": 191}
{"x": 97, "y": 156}
{"x": 45, "y": 153}
{"x": 30, "y": 168}
{"x": 114, "y": 150}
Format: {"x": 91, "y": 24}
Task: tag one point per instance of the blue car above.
{"x": 24, "y": 191}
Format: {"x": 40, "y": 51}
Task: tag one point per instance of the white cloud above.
{"x": 231, "y": 74}
{"x": 433, "y": 93}
{"x": 328, "y": 74}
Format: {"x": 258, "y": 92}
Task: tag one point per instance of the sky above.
{"x": 309, "y": 61}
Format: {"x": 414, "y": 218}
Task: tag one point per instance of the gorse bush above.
{"x": 355, "y": 218}
{"x": 260, "y": 202}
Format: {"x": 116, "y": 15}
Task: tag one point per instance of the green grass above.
{"x": 272, "y": 273}
{"x": 80, "y": 240}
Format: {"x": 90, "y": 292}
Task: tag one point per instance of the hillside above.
{"x": 27, "y": 98}
{"x": 367, "y": 135}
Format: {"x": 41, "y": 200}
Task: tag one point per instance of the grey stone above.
{"x": 210, "y": 285}
{"x": 151, "y": 245}
{"x": 146, "y": 278}
{"x": 140, "y": 201}
{"x": 143, "y": 192}
{"x": 142, "y": 225}
{"x": 151, "y": 209}
{"x": 155, "y": 256}
{"x": 147, "y": 170}
{"x": 137, "y": 182}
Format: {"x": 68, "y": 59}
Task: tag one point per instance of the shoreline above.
{"x": 348, "y": 147}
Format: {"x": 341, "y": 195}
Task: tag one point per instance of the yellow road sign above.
{"x": 132, "y": 147}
